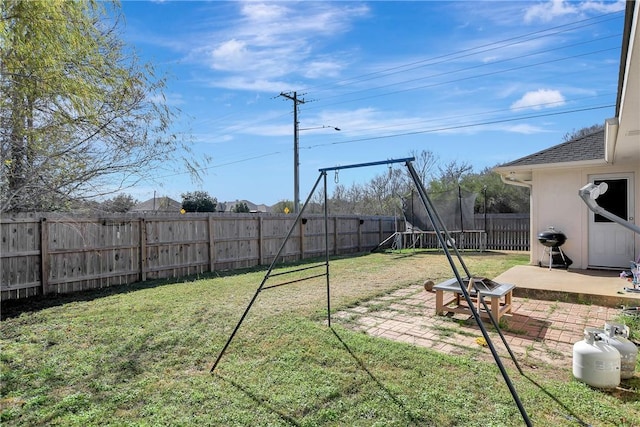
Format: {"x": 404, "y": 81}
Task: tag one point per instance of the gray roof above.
{"x": 228, "y": 206}
{"x": 158, "y": 204}
{"x": 588, "y": 147}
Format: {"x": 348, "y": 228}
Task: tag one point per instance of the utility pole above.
{"x": 296, "y": 160}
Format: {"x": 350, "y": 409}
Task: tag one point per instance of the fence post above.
{"x": 302, "y": 227}
{"x": 44, "y": 256}
{"x": 260, "y": 240}
{"x": 360, "y": 222}
{"x": 335, "y": 235}
{"x": 143, "y": 250}
{"x": 212, "y": 251}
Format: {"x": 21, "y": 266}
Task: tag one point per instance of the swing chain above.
{"x": 336, "y": 178}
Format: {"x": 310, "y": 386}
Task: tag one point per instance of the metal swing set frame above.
{"x": 445, "y": 241}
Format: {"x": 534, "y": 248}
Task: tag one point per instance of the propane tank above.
{"x": 617, "y": 335}
{"x": 595, "y": 362}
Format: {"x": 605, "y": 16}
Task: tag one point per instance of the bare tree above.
{"x": 452, "y": 172}
{"x": 425, "y": 164}
{"x": 575, "y": 134}
{"x": 384, "y": 193}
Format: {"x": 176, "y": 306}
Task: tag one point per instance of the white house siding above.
{"x": 555, "y": 194}
{"x": 555, "y": 202}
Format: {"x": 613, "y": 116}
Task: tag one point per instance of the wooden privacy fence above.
{"x": 56, "y": 254}
{"x": 500, "y": 232}
{"x": 506, "y": 232}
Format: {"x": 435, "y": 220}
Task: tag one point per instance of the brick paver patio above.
{"x": 537, "y": 331}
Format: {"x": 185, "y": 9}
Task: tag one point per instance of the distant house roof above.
{"x": 229, "y": 206}
{"x": 585, "y": 148}
{"x": 158, "y": 204}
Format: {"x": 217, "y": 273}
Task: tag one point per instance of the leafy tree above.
{"x": 80, "y": 116}
{"x": 241, "y": 208}
{"x": 283, "y": 206}
{"x": 198, "y": 201}
{"x": 120, "y": 203}
{"x": 500, "y": 197}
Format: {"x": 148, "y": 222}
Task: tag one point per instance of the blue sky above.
{"x": 476, "y": 82}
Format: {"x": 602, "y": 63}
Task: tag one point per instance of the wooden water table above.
{"x": 500, "y": 296}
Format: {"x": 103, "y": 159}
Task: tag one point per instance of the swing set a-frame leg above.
{"x": 267, "y": 275}
{"x": 443, "y": 236}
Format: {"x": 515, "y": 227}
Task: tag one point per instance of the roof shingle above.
{"x": 588, "y": 147}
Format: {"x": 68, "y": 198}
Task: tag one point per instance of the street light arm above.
{"x": 322, "y": 127}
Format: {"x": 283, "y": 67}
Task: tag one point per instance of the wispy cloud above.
{"x": 539, "y": 99}
{"x": 604, "y": 7}
{"x": 323, "y": 67}
{"x": 553, "y": 9}
{"x": 239, "y": 82}
{"x": 270, "y": 42}
{"x": 525, "y": 129}
{"x": 546, "y": 12}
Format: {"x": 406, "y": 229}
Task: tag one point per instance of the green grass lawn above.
{"x": 141, "y": 355}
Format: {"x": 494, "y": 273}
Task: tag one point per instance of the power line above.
{"x": 493, "y": 73}
{"x": 418, "y": 132}
{"x": 474, "y": 67}
{"x": 442, "y": 83}
{"x": 463, "y": 126}
{"x": 234, "y": 162}
{"x": 423, "y": 63}
{"x": 483, "y": 113}
{"x": 471, "y": 51}
{"x": 501, "y": 44}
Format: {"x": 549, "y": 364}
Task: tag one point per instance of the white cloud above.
{"x": 268, "y": 41}
{"x": 552, "y": 9}
{"x": 489, "y": 59}
{"x": 524, "y": 129}
{"x": 322, "y": 68}
{"x": 357, "y": 121}
{"x": 603, "y": 7}
{"x": 229, "y": 54}
{"x": 546, "y": 12}
{"x": 266, "y": 123}
{"x": 212, "y": 138}
{"x": 541, "y": 98}
{"x": 262, "y": 12}
{"x": 239, "y": 82}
